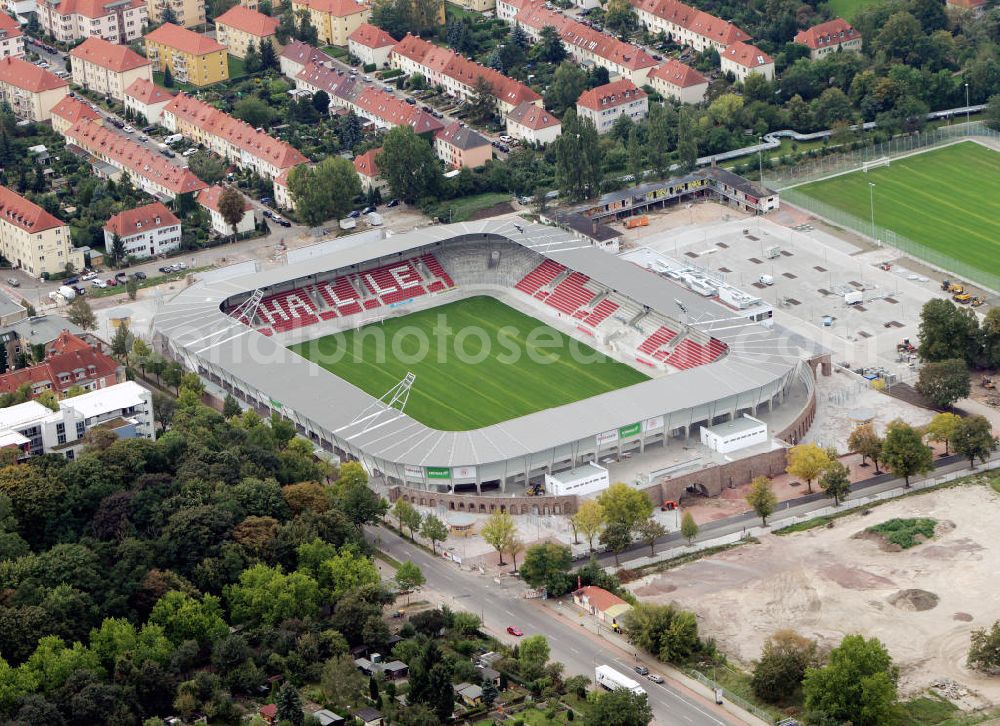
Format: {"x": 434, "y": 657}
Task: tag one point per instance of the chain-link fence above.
{"x": 731, "y": 697}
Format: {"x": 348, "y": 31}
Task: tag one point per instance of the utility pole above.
{"x": 966, "y": 107}
{"x": 871, "y": 196}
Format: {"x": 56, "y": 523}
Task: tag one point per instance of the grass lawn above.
{"x": 237, "y": 68}
{"x": 491, "y": 363}
{"x": 847, "y": 8}
{"x": 947, "y": 200}
{"x": 148, "y": 282}
{"x": 904, "y": 532}
{"x": 463, "y": 208}
{"x": 926, "y": 711}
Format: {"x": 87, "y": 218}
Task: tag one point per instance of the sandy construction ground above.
{"x": 826, "y": 583}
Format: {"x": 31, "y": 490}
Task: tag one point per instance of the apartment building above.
{"x": 69, "y": 362}
{"x": 829, "y": 37}
{"x": 460, "y": 147}
{"x": 367, "y": 169}
{"x": 113, "y": 154}
{"x": 34, "y": 240}
{"x": 187, "y": 13}
{"x": 107, "y": 68}
{"x": 458, "y": 75}
{"x": 146, "y": 231}
{"x": 583, "y": 43}
{"x": 681, "y": 82}
{"x": 209, "y": 199}
{"x": 335, "y": 20}
{"x": 282, "y": 195}
{"x": 191, "y": 57}
{"x": 239, "y": 28}
{"x": 146, "y": 100}
{"x": 30, "y": 91}
{"x": 687, "y": 25}
{"x": 70, "y": 110}
{"x": 11, "y": 39}
{"x": 742, "y": 59}
{"x": 604, "y": 104}
{"x": 371, "y": 45}
{"x": 533, "y": 124}
{"x": 235, "y": 140}
{"x": 120, "y": 21}
{"x": 125, "y": 408}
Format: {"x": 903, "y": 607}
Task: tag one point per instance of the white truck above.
{"x": 854, "y": 298}
{"x": 172, "y": 139}
{"x": 611, "y": 679}
{"x": 348, "y": 223}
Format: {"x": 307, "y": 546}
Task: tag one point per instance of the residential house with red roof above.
{"x": 742, "y": 59}
{"x": 367, "y": 170}
{"x": 231, "y": 138}
{"x": 977, "y": 7}
{"x": 687, "y": 25}
{"x": 457, "y": 74}
{"x": 30, "y": 91}
{"x": 191, "y": 57}
{"x": 371, "y": 45}
{"x": 146, "y": 100}
{"x": 34, "y": 240}
{"x": 209, "y": 199}
{"x": 70, "y": 110}
{"x": 239, "y": 28}
{"x": 603, "y": 605}
{"x": 146, "y": 231}
{"x": 113, "y": 154}
{"x": 673, "y": 79}
{"x": 460, "y": 147}
{"x": 582, "y": 42}
{"x": 829, "y": 37}
{"x": 11, "y": 38}
{"x": 187, "y": 13}
{"x": 335, "y": 20}
{"x": 533, "y": 124}
{"x": 297, "y": 55}
{"x": 282, "y": 194}
{"x": 69, "y": 362}
{"x": 107, "y": 68}
{"x": 120, "y": 21}
{"x": 604, "y": 104}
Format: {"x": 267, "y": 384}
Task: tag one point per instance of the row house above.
{"x": 11, "y": 39}
{"x": 233, "y": 139}
{"x": 107, "y": 68}
{"x": 367, "y": 169}
{"x": 457, "y": 74}
{"x": 119, "y": 21}
{"x": 148, "y": 170}
{"x": 297, "y": 55}
{"x": 34, "y": 240}
{"x": 604, "y": 104}
{"x": 742, "y": 59}
{"x": 460, "y": 147}
{"x": 69, "y": 362}
{"x": 30, "y": 91}
{"x": 70, "y": 110}
{"x": 533, "y": 124}
{"x": 187, "y": 13}
{"x": 239, "y": 28}
{"x": 371, "y": 45}
{"x": 687, "y": 25}
{"x": 147, "y": 100}
{"x": 209, "y": 200}
{"x": 673, "y": 79}
{"x": 829, "y": 37}
{"x": 146, "y": 231}
{"x": 583, "y": 43}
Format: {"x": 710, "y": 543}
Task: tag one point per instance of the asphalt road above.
{"x": 577, "y": 646}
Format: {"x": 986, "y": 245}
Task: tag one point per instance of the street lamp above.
{"x": 966, "y": 107}
{"x": 871, "y": 195}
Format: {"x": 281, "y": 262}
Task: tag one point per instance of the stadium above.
{"x": 670, "y": 358}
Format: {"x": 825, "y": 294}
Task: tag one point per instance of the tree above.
{"x": 973, "y": 438}
{"x": 545, "y": 560}
{"x": 321, "y": 102}
{"x": 663, "y": 630}
{"x": 341, "y": 680}
{"x": 689, "y": 528}
{"x": 232, "y": 207}
{"x": 866, "y": 442}
{"x": 268, "y": 58}
{"x": 551, "y": 49}
{"x": 904, "y": 453}
{"x": 168, "y": 15}
{"x": 483, "y": 105}
{"x": 784, "y": 659}
{"x": 948, "y": 332}
{"x": 616, "y": 536}
{"x": 490, "y": 694}
{"x": 944, "y": 382}
{"x": 409, "y": 577}
{"x": 121, "y": 342}
{"x": 620, "y": 16}
{"x": 835, "y": 481}
{"x": 993, "y": 112}
{"x": 408, "y": 164}
{"x": 168, "y": 77}
{"x": 82, "y": 315}
{"x": 984, "y": 649}
{"x": 858, "y": 684}
{"x": 568, "y": 82}
{"x": 117, "y": 250}
{"x": 762, "y": 499}
{"x": 289, "y": 704}
{"x": 266, "y": 595}
{"x": 636, "y": 164}
{"x": 132, "y": 288}
{"x": 624, "y": 505}
{"x": 578, "y": 158}
{"x": 231, "y": 407}
{"x": 207, "y": 166}
{"x": 307, "y": 32}
{"x": 687, "y": 141}
{"x": 514, "y": 547}
{"x": 589, "y": 519}
{"x": 620, "y": 707}
{"x": 941, "y": 427}
{"x": 807, "y": 461}
{"x": 434, "y": 530}
{"x": 253, "y": 110}
{"x": 650, "y": 531}
{"x": 324, "y": 191}
{"x": 532, "y": 655}
{"x": 402, "y": 510}
{"x": 184, "y": 617}
{"x": 498, "y": 532}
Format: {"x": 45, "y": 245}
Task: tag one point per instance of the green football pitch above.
{"x": 477, "y": 362}
{"x": 947, "y": 200}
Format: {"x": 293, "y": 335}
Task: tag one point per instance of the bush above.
{"x": 903, "y": 532}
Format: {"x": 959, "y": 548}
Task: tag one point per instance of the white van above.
{"x": 172, "y": 139}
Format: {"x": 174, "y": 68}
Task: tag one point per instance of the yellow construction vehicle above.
{"x": 953, "y": 287}
{"x": 977, "y": 301}
{"x": 962, "y": 298}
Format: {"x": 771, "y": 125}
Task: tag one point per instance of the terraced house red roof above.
{"x": 466, "y": 72}
{"x": 697, "y": 21}
{"x": 339, "y": 8}
{"x": 832, "y": 32}
{"x": 73, "y": 110}
{"x": 184, "y": 40}
{"x": 142, "y": 219}
{"x": 209, "y": 198}
{"x": 18, "y": 211}
{"x": 238, "y": 133}
{"x": 70, "y": 362}
{"x": 749, "y": 56}
{"x": 371, "y": 36}
{"x": 610, "y": 95}
{"x": 249, "y": 21}
{"x": 93, "y": 9}
{"x": 9, "y": 27}
{"x": 28, "y": 77}
{"x": 145, "y": 91}
{"x": 365, "y": 163}
{"x": 678, "y": 74}
{"x": 134, "y": 157}
{"x": 533, "y": 117}
{"x": 114, "y": 57}
{"x": 394, "y": 112}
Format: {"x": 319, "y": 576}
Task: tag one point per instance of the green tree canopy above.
{"x": 858, "y": 684}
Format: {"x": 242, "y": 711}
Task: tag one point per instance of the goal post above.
{"x": 875, "y": 163}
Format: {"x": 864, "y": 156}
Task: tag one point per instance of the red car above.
{"x": 515, "y": 631}
{"x": 112, "y": 282}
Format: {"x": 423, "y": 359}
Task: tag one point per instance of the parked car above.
{"x": 411, "y": 101}
{"x": 655, "y": 678}
{"x": 642, "y": 670}
{"x": 180, "y": 266}
{"x": 368, "y": 210}
{"x": 81, "y": 291}
{"x": 515, "y": 631}
{"x": 112, "y": 282}
{"x": 168, "y": 153}
{"x": 355, "y": 214}
{"x": 393, "y": 203}
{"x": 167, "y": 269}
{"x": 268, "y": 213}
{"x": 284, "y": 222}
{"x": 191, "y": 152}
{"x": 139, "y": 276}
{"x": 121, "y": 276}
{"x": 127, "y": 128}
{"x": 88, "y": 276}
{"x": 71, "y": 281}
{"x": 100, "y": 284}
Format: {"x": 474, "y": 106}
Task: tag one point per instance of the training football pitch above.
{"x": 477, "y": 362}
{"x": 947, "y": 200}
